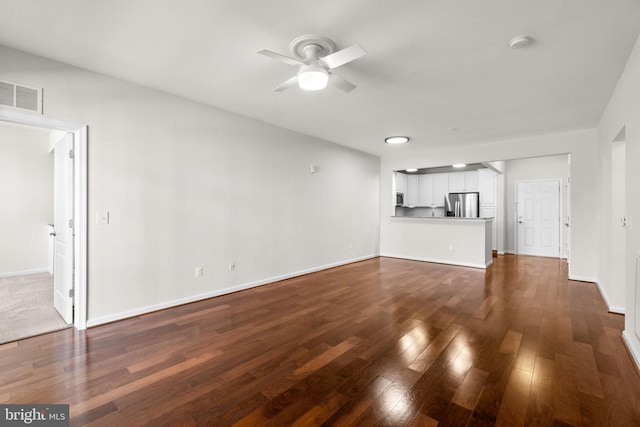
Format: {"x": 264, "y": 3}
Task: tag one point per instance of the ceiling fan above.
{"x": 316, "y": 56}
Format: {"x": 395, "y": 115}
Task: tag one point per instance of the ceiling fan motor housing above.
{"x": 320, "y": 46}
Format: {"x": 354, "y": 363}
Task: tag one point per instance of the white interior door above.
{"x": 538, "y": 218}
{"x": 62, "y": 219}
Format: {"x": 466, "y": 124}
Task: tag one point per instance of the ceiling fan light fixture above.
{"x": 396, "y": 140}
{"x": 312, "y": 77}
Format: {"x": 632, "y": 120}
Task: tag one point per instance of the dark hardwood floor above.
{"x": 380, "y": 342}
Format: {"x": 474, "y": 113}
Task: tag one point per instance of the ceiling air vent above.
{"x": 20, "y": 97}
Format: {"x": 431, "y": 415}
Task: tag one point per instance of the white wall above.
{"x": 26, "y": 197}
{"x": 187, "y": 185}
{"x": 547, "y": 167}
{"x": 623, "y": 111}
{"x": 582, "y": 145}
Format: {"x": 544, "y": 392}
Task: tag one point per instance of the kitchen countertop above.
{"x": 446, "y": 218}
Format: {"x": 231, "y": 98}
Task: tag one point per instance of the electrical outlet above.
{"x": 450, "y": 247}
{"x": 102, "y": 218}
{"x": 232, "y": 266}
{"x": 199, "y": 272}
{"x": 350, "y": 245}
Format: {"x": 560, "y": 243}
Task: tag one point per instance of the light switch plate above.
{"x": 102, "y": 218}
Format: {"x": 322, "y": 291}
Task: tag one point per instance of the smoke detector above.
{"x": 519, "y": 42}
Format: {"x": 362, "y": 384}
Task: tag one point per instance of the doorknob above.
{"x": 53, "y": 233}
{"x": 520, "y": 222}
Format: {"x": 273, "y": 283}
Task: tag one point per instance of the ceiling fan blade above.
{"x": 343, "y": 56}
{"x": 340, "y": 83}
{"x": 293, "y": 81}
{"x": 280, "y": 57}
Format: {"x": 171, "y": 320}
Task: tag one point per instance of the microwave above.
{"x": 399, "y": 199}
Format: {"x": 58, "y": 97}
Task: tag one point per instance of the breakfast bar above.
{"x": 447, "y": 240}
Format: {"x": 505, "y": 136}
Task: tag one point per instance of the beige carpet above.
{"x": 26, "y": 307}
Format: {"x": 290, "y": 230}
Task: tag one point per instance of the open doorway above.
{"x": 618, "y": 230}
{"x": 537, "y": 206}
{"x": 75, "y": 204}
{"x": 26, "y": 256}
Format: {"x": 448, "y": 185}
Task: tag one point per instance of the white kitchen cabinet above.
{"x": 463, "y": 182}
{"x": 488, "y": 181}
{"x": 456, "y": 182}
{"x": 440, "y": 188}
{"x": 411, "y": 196}
{"x": 471, "y": 181}
{"x": 401, "y": 183}
{"x": 425, "y": 190}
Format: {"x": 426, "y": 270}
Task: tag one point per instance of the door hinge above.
{"x": 70, "y": 223}
{"x": 71, "y": 154}
{"x": 70, "y": 293}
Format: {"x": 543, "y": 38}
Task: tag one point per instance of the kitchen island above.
{"x": 446, "y": 240}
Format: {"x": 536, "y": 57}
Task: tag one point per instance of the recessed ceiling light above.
{"x": 412, "y": 170}
{"x": 519, "y": 42}
{"x": 459, "y": 165}
{"x": 396, "y": 139}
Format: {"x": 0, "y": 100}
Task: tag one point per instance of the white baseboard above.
{"x": 23, "y": 272}
{"x": 612, "y": 308}
{"x": 616, "y": 310}
{"x": 173, "y": 303}
{"x": 439, "y": 261}
{"x": 633, "y": 350}
{"x": 582, "y": 278}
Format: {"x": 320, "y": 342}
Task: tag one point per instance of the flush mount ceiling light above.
{"x": 316, "y": 57}
{"x": 459, "y": 165}
{"x": 519, "y": 42}
{"x": 412, "y": 170}
{"x": 396, "y": 140}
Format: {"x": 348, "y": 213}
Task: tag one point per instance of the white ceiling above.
{"x": 432, "y": 65}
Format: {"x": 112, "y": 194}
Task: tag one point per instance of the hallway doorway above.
{"x": 77, "y": 241}
{"x": 30, "y": 190}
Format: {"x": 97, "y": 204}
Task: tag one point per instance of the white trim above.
{"x": 23, "y": 272}
{"x": 439, "y": 261}
{"x": 611, "y": 308}
{"x": 80, "y": 201}
{"x": 582, "y": 278}
{"x": 635, "y": 353}
{"x": 80, "y": 218}
{"x": 168, "y": 304}
{"x": 616, "y": 310}
{"x": 502, "y": 252}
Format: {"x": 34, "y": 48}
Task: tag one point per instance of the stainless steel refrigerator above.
{"x": 462, "y": 205}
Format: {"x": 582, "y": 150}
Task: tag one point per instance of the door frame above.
{"x": 80, "y": 132}
{"x": 560, "y": 212}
